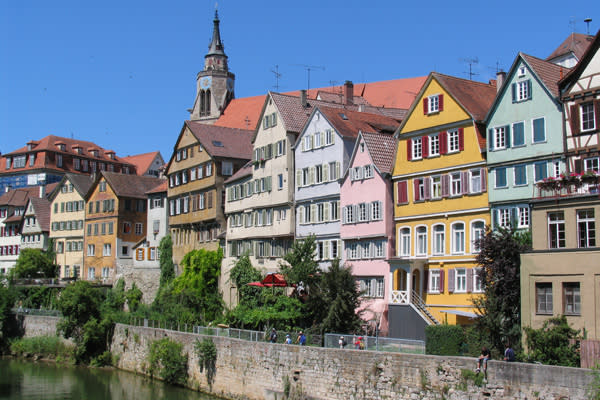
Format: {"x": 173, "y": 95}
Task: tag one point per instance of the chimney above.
{"x": 42, "y": 191}
{"x": 303, "y": 101}
{"x": 500, "y": 78}
{"x": 348, "y": 93}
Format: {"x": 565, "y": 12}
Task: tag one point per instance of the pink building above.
{"x": 367, "y": 228}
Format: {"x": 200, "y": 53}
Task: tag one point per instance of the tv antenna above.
{"x": 309, "y": 68}
{"x": 277, "y": 76}
{"x": 587, "y": 21}
{"x": 573, "y": 23}
{"x": 471, "y": 62}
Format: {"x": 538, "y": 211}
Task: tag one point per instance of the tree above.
{"x": 341, "y": 296}
{"x": 167, "y": 269}
{"x": 243, "y": 273}
{"x": 300, "y": 264}
{"x": 553, "y": 343}
{"x": 7, "y": 302}
{"x": 499, "y": 307}
{"x": 34, "y": 263}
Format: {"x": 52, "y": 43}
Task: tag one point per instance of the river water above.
{"x": 47, "y": 381}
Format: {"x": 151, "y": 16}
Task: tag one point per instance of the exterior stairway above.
{"x": 419, "y": 305}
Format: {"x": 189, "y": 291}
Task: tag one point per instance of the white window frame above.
{"x": 475, "y": 179}
{"x": 460, "y": 280}
{"x": 453, "y": 141}
{"x": 455, "y": 184}
{"x": 591, "y": 117}
{"x": 434, "y": 145}
{"x": 417, "y": 148}
{"x": 499, "y": 137}
{"x": 522, "y": 91}
{"x": 434, "y": 281}
{"x": 404, "y": 242}
{"x": 458, "y": 237}
{"x": 477, "y": 232}
{"x": 433, "y": 103}
{"x": 503, "y": 217}
{"x": 438, "y": 239}
{"x": 523, "y": 217}
{"x": 421, "y": 240}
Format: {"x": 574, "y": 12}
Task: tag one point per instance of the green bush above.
{"x": 553, "y": 343}
{"x": 206, "y": 351}
{"x": 44, "y": 346}
{"x": 167, "y": 361}
{"x": 444, "y": 340}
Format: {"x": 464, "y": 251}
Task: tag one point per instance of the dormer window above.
{"x": 522, "y": 71}
{"x": 433, "y": 104}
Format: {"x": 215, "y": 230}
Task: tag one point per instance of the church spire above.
{"x": 216, "y": 46}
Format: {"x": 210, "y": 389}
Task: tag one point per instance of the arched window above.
{"x": 205, "y": 102}
{"x": 477, "y": 232}
{"x": 458, "y": 238}
{"x": 439, "y": 239}
{"x": 421, "y": 241}
{"x": 404, "y": 242}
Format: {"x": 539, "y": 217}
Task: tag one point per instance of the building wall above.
{"x": 32, "y": 236}
{"x": 73, "y": 258}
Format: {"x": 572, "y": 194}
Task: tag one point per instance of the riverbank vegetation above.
{"x": 43, "y": 347}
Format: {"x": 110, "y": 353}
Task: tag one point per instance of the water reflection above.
{"x": 48, "y": 381}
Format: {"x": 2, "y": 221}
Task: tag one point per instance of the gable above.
{"x": 589, "y": 78}
{"x": 418, "y": 120}
{"x": 186, "y": 140}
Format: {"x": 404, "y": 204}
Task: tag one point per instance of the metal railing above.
{"x": 36, "y": 311}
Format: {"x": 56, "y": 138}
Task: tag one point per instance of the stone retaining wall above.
{"x": 250, "y": 370}
{"x": 37, "y": 325}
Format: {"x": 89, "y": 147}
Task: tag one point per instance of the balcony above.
{"x": 584, "y": 184}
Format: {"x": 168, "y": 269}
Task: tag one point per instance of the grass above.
{"x": 51, "y": 347}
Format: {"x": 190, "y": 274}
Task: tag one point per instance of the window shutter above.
{"x": 441, "y": 102}
{"x": 409, "y": 149}
{"x": 490, "y": 139}
{"x": 442, "y": 274}
{"x": 325, "y": 175}
{"x": 461, "y": 139}
{"x": 268, "y": 184}
{"x": 416, "y": 183}
{"x": 298, "y": 178}
{"x": 427, "y": 188}
{"x": 425, "y": 106}
{"x": 514, "y": 92}
{"x": 513, "y": 216}
{"x": 402, "y": 192}
{"x": 303, "y": 146}
{"x": 312, "y": 175}
{"x": 443, "y": 142}
{"x": 426, "y": 278}
{"x": 597, "y": 113}
{"x": 312, "y": 142}
{"x": 425, "y": 146}
{"x": 574, "y": 119}
{"x": 483, "y": 177}
{"x": 301, "y": 214}
{"x": 529, "y": 88}
{"x": 326, "y": 211}
{"x": 507, "y": 135}
{"x": 470, "y": 280}
{"x": 337, "y": 170}
{"x": 464, "y": 182}
{"x": 445, "y": 185}
{"x": 451, "y": 273}
{"x": 579, "y": 166}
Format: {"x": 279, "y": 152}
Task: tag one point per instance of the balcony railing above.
{"x": 400, "y": 297}
{"x": 569, "y": 190}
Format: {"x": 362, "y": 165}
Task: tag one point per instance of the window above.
{"x": 334, "y": 213}
{"x": 125, "y": 250}
{"x": 539, "y": 130}
{"x": 307, "y": 214}
{"x": 433, "y": 103}
{"x": 59, "y": 160}
{"x": 523, "y": 217}
{"x": 305, "y": 176}
{"x": 320, "y": 212}
{"x": 139, "y": 228}
{"x": 208, "y": 167}
{"x": 436, "y": 187}
{"x": 556, "y": 230}
{"x": 279, "y": 181}
{"x": 404, "y": 242}
{"x": 91, "y": 273}
{"x": 421, "y": 238}
{"x": 105, "y": 272}
{"x": 307, "y": 142}
{"x": 543, "y": 298}
{"x": 501, "y": 177}
{"x": 227, "y": 168}
{"x": 476, "y": 178}
{"x": 586, "y": 228}
{"x": 352, "y": 250}
{"x": 499, "y": 138}
{"x": 349, "y": 214}
{"x": 503, "y": 217}
{"x": 439, "y": 240}
{"x": 571, "y": 298}
{"x": 477, "y": 282}
{"x": 126, "y": 227}
{"x": 434, "y": 145}
{"x": 455, "y": 184}
{"x": 107, "y": 249}
{"x": 375, "y": 210}
{"x": 152, "y": 255}
{"x": 434, "y": 281}
{"x": 453, "y": 141}
{"x": 334, "y": 168}
{"x": 591, "y": 164}
{"x": 521, "y": 90}
{"x": 518, "y": 134}
{"x": 318, "y": 173}
{"x": 362, "y": 212}
{"x": 458, "y": 238}
{"x": 417, "y": 148}
{"x": 460, "y": 276}
{"x": 368, "y": 171}
{"x": 317, "y": 140}
{"x": 520, "y": 173}
{"x": 588, "y": 119}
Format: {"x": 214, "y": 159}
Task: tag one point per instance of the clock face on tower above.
{"x": 205, "y": 82}
{"x": 230, "y": 84}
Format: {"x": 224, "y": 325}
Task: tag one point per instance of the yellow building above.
{"x": 441, "y": 202}
{"x": 67, "y": 215}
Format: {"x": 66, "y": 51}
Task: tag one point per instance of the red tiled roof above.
{"x": 576, "y": 71}
{"x": 577, "y": 43}
{"x": 159, "y": 189}
{"x": 382, "y": 148}
{"x": 221, "y": 141}
{"x": 18, "y": 197}
{"x": 475, "y": 97}
{"x": 143, "y": 162}
{"x": 332, "y": 97}
{"x": 243, "y": 172}
{"x": 348, "y": 123}
{"x": 548, "y": 72}
{"x": 242, "y": 113}
{"x": 41, "y": 208}
{"x": 134, "y": 186}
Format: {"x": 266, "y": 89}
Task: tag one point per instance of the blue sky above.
{"x": 122, "y": 73}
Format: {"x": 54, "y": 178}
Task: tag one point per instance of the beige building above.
{"x": 67, "y": 216}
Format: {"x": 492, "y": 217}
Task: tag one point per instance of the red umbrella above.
{"x": 274, "y": 280}
{"x": 260, "y": 284}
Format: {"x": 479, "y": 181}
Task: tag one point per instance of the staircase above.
{"x": 419, "y": 306}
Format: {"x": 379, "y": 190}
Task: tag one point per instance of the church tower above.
{"x": 214, "y": 84}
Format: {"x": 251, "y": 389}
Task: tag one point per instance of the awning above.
{"x": 461, "y": 313}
